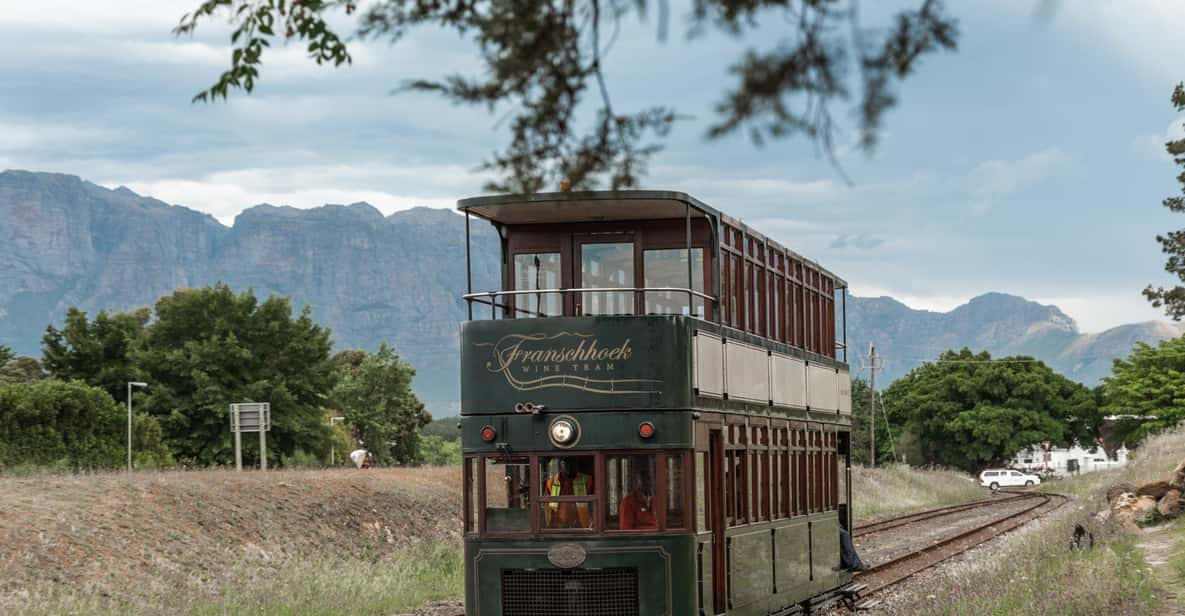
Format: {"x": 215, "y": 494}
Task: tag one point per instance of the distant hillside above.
{"x": 999, "y": 323}
{"x": 67, "y": 242}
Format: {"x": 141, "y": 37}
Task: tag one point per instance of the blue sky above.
{"x": 1030, "y": 161}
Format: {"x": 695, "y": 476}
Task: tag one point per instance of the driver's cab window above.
{"x": 568, "y": 491}
{"x": 630, "y": 485}
{"x": 538, "y": 271}
{"x": 508, "y": 495}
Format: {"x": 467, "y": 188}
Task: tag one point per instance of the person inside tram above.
{"x": 636, "y": 510}
{"x": 569, "y": 481}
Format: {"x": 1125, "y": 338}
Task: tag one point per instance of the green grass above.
{"x": 305, "y": 585}
{"x": 896, "y": 488}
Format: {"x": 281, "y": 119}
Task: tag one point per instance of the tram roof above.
{"x": 602, "y": 206}
{"x": 586, "y": 206}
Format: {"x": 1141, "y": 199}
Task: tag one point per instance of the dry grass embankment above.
{"x": 213, "y": 542}
{"x": 379, "y": 542}
{"x": 894, "y": 489}
{"x": 1035, "y": 571}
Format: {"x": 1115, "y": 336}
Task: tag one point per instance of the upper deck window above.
{"x": 668, "y": 268}
{"x": 607, "y": 266}
{"x": 538, "y": 271}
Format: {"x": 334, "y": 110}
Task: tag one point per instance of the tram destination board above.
{"x": 575, "y": 363}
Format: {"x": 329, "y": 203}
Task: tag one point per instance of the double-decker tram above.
{"x": 655, "y": 414}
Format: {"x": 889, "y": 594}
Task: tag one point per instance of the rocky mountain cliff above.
{"x": 67, "y": 242}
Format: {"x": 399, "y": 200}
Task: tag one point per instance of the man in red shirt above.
{"x": 636, "y": 511}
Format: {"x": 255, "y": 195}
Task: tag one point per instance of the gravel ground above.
{"x": 886, "y": 545}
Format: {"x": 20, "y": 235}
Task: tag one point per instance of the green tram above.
{"x": 655, "y": 414}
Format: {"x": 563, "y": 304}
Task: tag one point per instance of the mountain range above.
{"x": 399, "y": 278}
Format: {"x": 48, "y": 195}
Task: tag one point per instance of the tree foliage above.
{"x": 210, "y": 347}
{"x": 1149, "y": 382}
{"x": 544, "y": 59}
{"x": 1173, "y": 243}
{"x": 967, "y": 411}
{"x": 6, "y": 354}
{"x": 376, "y": 398}
{"x": 96, "y": 352}
{"x": 22, "y": 370}
{"x": 71, "y": 426}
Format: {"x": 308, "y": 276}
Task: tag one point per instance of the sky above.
{"x": 1031, "y": 161}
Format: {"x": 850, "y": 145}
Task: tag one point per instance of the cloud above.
{"x": 1145, "y": 35}
{"x": 992, "y": 181}
{"x": 1152, "y": 146}
{"x": 389, "y": 188}
{"x": 857, "y": 241}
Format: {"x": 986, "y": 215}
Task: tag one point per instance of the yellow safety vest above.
{"x": 579, "y": 487}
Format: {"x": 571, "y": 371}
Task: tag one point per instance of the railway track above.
{"x": 896, "y": 570}
{"x": 912, "y": 518}
{"x": 883, "y": 575}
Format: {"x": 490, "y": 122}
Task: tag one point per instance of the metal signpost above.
{"x": 250, "y": 417}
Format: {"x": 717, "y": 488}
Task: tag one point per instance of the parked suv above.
{"x": 996, "y": 478}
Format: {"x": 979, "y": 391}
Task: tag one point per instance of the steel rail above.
{"x": 917, "y": 516}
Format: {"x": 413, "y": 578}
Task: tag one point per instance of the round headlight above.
{"x": 564, "y": 432}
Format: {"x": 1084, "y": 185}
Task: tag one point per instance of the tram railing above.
{"x": 495, "y": 299}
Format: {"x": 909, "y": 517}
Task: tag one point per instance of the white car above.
{"x": 996, "y": 478}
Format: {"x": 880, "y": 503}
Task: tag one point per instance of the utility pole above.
{"x": 875, "y": 363}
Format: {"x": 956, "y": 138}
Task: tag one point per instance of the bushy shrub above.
{"x": 70, "y": 425}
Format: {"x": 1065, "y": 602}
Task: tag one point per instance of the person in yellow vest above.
{"x": 569, "y": 482}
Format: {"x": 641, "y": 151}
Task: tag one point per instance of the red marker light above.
{"x": 488, "y": 434}
{"x": 646, "y": 430}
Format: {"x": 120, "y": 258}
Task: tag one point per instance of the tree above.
{"x": 22, "y": 370}
{"x": 71, "y": 426}
{"x": 6, "y": 354}
{"x": 445, "y": 427}
{"x": 967, "y": 410}
{"x": 210, "y": 347}
{"x": 96, "y": 352}
{"x": 437, "y": 451}
{"x": 1147, "y": 383}
{"x": 375, "y": 396}
{"x": 1173, "y": 244}
{"x": 544, "y": 59}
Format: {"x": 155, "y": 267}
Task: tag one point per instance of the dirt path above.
{"x": 1158, "y": 544}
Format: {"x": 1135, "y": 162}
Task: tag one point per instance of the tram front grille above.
{"x": 570, "y": 592}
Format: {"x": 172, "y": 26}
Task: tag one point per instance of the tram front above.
{"x": 571, "y": 509}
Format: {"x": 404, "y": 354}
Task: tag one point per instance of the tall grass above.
{"x": 309, "y": 584}
{"x": 896, "y": 488}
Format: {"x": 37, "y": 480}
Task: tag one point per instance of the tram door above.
{"x": 716, "y": 509}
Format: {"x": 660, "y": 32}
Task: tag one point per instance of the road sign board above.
{"x": 250, "y": 417}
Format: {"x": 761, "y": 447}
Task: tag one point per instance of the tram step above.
{"x": 867, "y": 604}
{"x": 853, "y": 588}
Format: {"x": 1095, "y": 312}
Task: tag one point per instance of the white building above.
{"x": 1067, "y": 461}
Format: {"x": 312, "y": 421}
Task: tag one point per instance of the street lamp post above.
{"x": 131, "y": 384}
{"x": 333, "y": 445}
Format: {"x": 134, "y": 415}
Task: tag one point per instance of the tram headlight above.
{"x": 564, "y": 432}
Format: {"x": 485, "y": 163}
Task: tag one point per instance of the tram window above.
{"x": 471, "y": 496}
{"x": 668, "y": 268}
{"x": 562, "y": 478}
{"x": 701, "y": 491}
{"x": 630, "y": 491}
{"x": 607, "y": 266}
{"x": 532, "y": 272}
{"x": 508, "y": 495}
{"x": 676, "y": 517}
